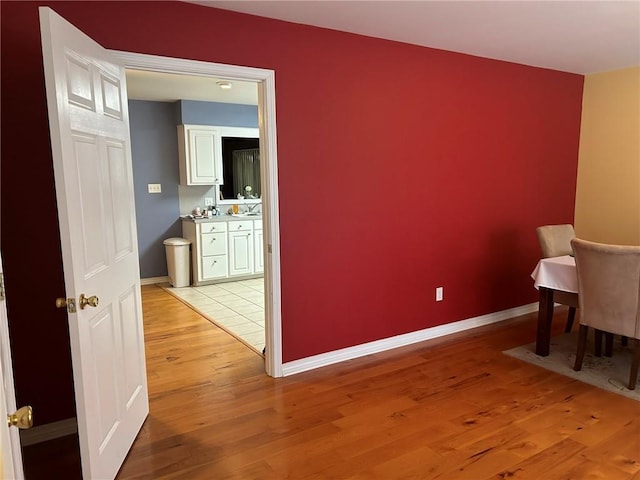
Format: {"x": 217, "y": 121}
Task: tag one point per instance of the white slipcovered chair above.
{"x": 555, "y": 241}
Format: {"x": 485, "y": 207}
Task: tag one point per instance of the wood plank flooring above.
{"x": 450, "y": 408}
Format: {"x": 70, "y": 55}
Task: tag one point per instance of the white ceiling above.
{"x": 169, "y": 87}
{"x": 570, "y": 35}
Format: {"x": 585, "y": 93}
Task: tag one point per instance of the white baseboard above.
{"x": 329, "y": 358}
{"x": 69, "y": 426}
{"x": 48, "y": 431}
{"x": 153, "y": 280}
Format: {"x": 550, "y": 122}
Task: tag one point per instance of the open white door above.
{"x": 89, "y": 123}
{"x": 10, "y": 453}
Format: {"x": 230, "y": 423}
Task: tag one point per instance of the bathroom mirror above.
{"x": 240, "y": 166}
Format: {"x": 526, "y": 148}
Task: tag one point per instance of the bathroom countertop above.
{"x": 221, "y": 218}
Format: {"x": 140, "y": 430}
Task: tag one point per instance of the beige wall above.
{"x": 608, "y": 186}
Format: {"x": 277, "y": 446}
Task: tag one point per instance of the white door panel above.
{"x": 86, "y": 95}
{"x": 202, "y": 148}
{"x": 119, "y": 181}
{"x": 89, "y": 230}
{"x": 133, "y": 374}
{"x": 240, "y": 253}
{"x": 258, "y": 261}
{"x": 10, "y": 453}
{"x": 103, "y": 373}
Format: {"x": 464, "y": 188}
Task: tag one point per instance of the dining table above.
{"x": 551, "y": 275}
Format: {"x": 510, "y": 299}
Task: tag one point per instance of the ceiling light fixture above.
{"x": 225, "y": 85}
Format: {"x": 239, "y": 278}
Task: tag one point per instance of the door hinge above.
{"x": 2, "y": 286}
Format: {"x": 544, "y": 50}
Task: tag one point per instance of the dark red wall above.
{"x": 401, "y": 168}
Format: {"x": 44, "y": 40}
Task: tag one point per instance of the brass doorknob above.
{"x": 68, "y": 303}
{"x": 92, "y": 301}
{"x": 61, "y": 302}
{"x": 22, "y": 419}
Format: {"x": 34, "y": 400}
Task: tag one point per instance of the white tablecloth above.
{"x": 558, "y": 273}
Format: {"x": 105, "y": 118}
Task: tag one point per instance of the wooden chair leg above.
{"x": 570, "y": 317}
{"x": 633, "y": 378}
{"x": 608, "y": 344}
{"x": 597, "y": 348}
{"x": 582, "y": 347}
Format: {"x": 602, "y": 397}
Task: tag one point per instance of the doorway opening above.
{"x": 265, "y": 83}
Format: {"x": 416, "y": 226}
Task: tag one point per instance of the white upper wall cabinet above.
{"x": 200, "y": 155}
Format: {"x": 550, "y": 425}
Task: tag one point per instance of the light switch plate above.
{"x": 155, "y": 188}
{"x": 208, "y": 201}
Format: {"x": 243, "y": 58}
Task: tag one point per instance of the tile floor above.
{"x": 237, "y": 307}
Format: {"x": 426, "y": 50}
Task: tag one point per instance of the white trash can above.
{"x": 178, "y": 261}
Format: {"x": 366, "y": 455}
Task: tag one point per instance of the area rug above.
{"x": 610, "y": 374}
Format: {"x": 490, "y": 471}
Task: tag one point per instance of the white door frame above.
{"x": 265, "y": 80}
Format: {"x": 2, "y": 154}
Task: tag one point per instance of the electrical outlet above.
{"x": 208, "y": 201}
{"x": 154, "y": 188}
{"x": 439, "y": 294}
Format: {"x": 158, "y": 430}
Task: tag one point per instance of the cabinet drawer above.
{"x": 213, "y": 227}
{"x": 214, "y": 266}
{"x": 243, "y": 226}
{"x": 214, "y": 244}
{"x": 257, "y": 224}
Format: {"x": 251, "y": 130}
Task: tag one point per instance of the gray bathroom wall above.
{"x": 192, "y": 112}
{"x": 154, "y": 151}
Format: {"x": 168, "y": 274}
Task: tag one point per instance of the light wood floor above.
{"x": 454, "y": 408}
